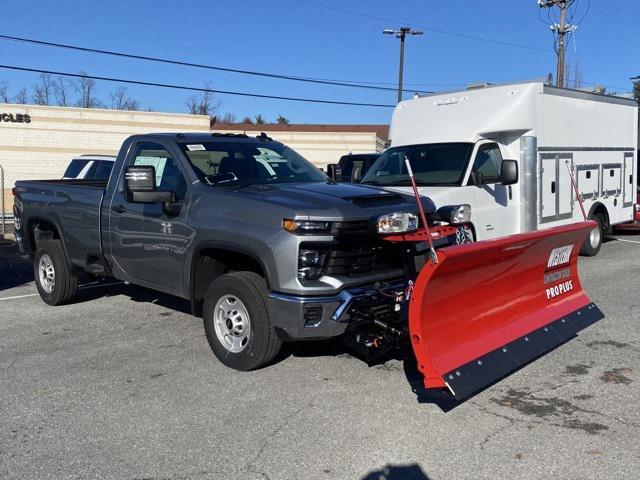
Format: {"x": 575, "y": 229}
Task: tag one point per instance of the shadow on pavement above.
{"x": 334, "y": 348}
{"x": 14, "y": 270}
{"x": 397, "y": 472}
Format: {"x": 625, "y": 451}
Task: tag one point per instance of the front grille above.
{"x": 363, "y": 257}
{"x": 352, "y": 229}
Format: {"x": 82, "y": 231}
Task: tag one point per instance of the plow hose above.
{"x": 490, "y": 307}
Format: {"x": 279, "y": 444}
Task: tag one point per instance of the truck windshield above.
{"x": 239, "y": 163}
{"x": 432, "y": 164}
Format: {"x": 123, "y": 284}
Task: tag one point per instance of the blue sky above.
{"x": 295, "y": 37}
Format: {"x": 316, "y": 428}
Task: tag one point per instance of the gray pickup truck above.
{"x": 265, "y": 246}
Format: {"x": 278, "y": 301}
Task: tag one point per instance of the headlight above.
{"x": 311, "y": 264}
{"x": 398, "y": 222}
{"x": 455, "y": 213}
{"x": 305, "y": 226}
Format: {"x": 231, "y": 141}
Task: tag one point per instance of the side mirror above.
{"x": 509, "y": 172}
{"x": 356, "y": 174}
{"x": 333, "y": 171}
{"x": 140, "y": 186}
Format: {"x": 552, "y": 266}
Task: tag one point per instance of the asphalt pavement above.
{"x": 123, "y": 385}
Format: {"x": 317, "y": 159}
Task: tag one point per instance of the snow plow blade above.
{"x": 488, "y": 308}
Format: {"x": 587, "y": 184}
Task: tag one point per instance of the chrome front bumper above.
{"x": 318, "y": 317}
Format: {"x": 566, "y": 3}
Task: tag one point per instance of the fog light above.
{"x": 398, "y": 222}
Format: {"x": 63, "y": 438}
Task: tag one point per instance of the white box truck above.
{"x": 507, "y": 151}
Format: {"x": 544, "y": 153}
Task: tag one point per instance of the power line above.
{"x": 436, "y": 30}
{"x": 194, "y": 89}
{"x": 343, "y": 83}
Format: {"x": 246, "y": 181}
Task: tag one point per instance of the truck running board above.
{"x": 487, "y": 308}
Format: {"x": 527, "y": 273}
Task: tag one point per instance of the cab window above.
{"x": 488, "y": 162}
{"x": 168, "y": 175}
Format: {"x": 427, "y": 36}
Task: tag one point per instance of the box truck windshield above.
{"x": 434, "y": 164}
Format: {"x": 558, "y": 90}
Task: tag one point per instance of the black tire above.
{"x": 262, "y": 344}
{"x": 588, "y": 248}
{"x": 65, "y": 283}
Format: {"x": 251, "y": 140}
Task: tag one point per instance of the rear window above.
{"x": 75, "y": 167}
{"x": 103, "y": 171}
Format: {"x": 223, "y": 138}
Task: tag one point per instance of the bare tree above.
{"x": 85, "y": 88}
{"x": 4, "y": 92}
{"x": 247, "y": 120}
{"x": 204, "y": 103}
{"x": 22, "y": 96}
{"x": 43, "y": 90}
{"x": 120, "y": 100}
{"x": 61, "y": 91}
{"x": 228, "y": 118}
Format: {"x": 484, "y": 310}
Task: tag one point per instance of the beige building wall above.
{"x": 321, "y": 148}
{"x": 43, "y": 148}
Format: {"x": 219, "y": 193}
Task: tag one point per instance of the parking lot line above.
{"x": 18, "y": 296}
{"x": 82, "y": 287}
{"x": 625, "y": 240}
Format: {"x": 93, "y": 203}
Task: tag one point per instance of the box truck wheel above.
{"x": 56, "y": 280}
{"x": 592, "y": 244}
{"x": 237, "y": 322}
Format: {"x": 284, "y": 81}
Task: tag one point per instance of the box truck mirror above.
{"x": 333, "y": 172}
{"x": 509, "y": 172}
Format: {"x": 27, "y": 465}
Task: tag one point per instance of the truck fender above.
{"x": 33, "y": 234}
{"x": 233, "y": 249}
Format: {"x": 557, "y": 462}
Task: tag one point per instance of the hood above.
{"x": 335, "y": 201}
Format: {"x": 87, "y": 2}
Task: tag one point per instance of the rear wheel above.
{"x": 237, "y": 321}
{"x": 56, "y": 280}
{"x": 593, "y": 242}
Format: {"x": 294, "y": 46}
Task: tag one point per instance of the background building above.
{"x": 37, "y": 142}
{"x": 321, "y": 144}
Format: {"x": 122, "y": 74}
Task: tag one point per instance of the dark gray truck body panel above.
{"x": 140, "y": 244}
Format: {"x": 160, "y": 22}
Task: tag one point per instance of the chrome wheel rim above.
{"x": 594, "y": 237}
{"x": 46, "y": 274}
{"x": 232, "y": 323}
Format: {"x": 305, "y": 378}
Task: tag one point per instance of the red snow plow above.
{"x": 479, "y": 311}
{"x": 487, "y": 308}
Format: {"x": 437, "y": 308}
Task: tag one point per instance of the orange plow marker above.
{"x": 487, "y": 308}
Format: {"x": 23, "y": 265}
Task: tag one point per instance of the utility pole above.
{"x": 562, "y": 30}
{"x": 401, "y": 34}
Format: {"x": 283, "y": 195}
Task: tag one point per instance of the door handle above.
{"x": 553, "y": 187}
{"x": 118, "y": 208}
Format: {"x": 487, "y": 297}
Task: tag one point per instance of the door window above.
{"x": 488, "y": 162}
{"x": 168, "y": 175}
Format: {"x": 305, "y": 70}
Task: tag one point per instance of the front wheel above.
{"x": 593, "y": 242}
{"x": 237, "y": 321}
{"x": 56, "y": 280}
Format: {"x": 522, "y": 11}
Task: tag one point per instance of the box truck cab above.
{"x": 509, "y": 151}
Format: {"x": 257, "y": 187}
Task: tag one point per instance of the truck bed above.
{"x": 73, "y": 206}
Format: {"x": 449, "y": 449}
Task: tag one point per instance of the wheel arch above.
{"x": 40, "y": 229}
{"x": 600, "y": 208}
{"x": 211, "y": 260}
